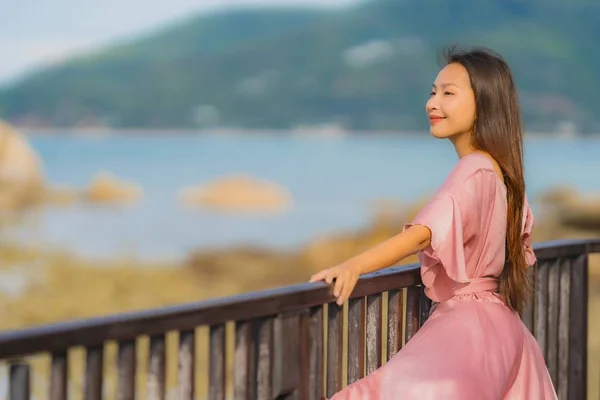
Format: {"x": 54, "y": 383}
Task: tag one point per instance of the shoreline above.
{"x": 267, "y": 132}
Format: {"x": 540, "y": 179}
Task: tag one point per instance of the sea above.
{"x": 334, "y": 181}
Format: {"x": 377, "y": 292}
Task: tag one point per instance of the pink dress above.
{"x": 472, "y": 346}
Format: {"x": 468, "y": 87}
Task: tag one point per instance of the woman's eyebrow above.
{"x": 444, "y": 85}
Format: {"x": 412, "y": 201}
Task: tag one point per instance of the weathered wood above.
{"x": 126, "y": 370}
{"x": 265, "y": 358}
{"x": 562, "y": 387}
{"x": 413, "y": 309}
{"x": 578, "y": 329}
{"x": 19, "y": 381}
{"x": 528, "y": 310}
{"x": 334, "y": 348}
{"x": 95, "y": 331}
{"x": 395, "y": 319}
{"x": 244, "y": 370}
{"x": 187, "y": 364}
{"x": 94, "y": 366}
{"x": 552, "y": 312}
{"x": 565, "y": 248}
{"x": 58, "y": 376}
{"x": 541, "y": 306}
{"x": 356, "y": 339}
{"x": 374, "y": 337}
{"x": 156, "y": 368}
{"x": 286, "y": 374}
{"x": 217, "y": 372}
{"x": 311, "y": 354}
{"x": 424, "y": 306}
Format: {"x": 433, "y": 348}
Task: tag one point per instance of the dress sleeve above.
{"x": 444, "y": 218}
{"x": 528, "y": 222}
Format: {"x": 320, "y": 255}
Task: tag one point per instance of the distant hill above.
{"x": 364, "y": 68}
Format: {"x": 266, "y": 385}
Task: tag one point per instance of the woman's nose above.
{"x": 431, "y": 104}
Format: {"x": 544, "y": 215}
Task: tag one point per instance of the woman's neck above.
{"x": 462, "y": 144}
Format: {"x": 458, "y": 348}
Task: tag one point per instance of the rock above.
{"x": 21, "y": 175}
{"x": 254, "y": 268}
{"x": 570, "y": 210}
{"x": 19, "y": 162}
{"x": 22, "y": 182}
{"x": 558, "y": 197}
{"x": 238, "y": 193}
{"x": 61, "y": 196}
{"x": 584, "y": 215}
{"x": 269, "y": 267}
{"x": 105, "y": 188}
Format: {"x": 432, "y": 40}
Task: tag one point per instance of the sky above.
{"x": 34, "y": 33}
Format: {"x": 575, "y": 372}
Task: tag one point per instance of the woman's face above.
{"x": 451, "y": 105}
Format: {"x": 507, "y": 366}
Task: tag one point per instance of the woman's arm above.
{"x": 390, "y": 252}
{"x": 412, "y": 240}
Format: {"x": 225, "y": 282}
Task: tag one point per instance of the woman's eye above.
{"x": 448, "y": 93}
{"x": 432, "y": 94}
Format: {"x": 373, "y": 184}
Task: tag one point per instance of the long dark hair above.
{"x": 498, "y": 131}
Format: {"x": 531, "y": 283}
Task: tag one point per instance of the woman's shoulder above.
{"x": 472, "y": 168}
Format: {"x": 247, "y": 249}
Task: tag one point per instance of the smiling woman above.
{"x": 451, "y": 106}
{"x": 473, "y": 241}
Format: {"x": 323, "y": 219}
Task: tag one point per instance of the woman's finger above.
{"x": 319, "y": 276}
{"x": 330, "y": 277}
{"x": 322, "y": 276}
{"x": 348, "y": 288}
{"x": 339, "y": 284}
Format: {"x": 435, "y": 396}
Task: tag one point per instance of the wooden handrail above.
{"x": 95, "y": 331}
{"x": 280, "y": 340}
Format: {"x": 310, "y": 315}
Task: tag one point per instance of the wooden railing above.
{"x": 291, "y": 342}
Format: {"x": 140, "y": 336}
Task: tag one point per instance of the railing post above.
{"x": 424, "y": 306}
{"x": 217, "y": 364}
{"x": 564, "y": 294}
{"x": 244, "y": 357}
{"x": 187, "y": 363}
{"x": 528, "y": 311}
{"x": 19, "y": 381}
{"x": 356, "y": 339}
{"x": 58, "y": 376}
{"x": 395, "y": 322}
{"x": 265, "y": 356}
{"x": 312, "y": 354}
{"x": 413, "y": 310}
{"x": 373, "y": 332}
{"x": 334, "y": 348}
{"x": 94, "y": 367}
{"x": 578, "y": 328}
{"x": 156, "y": 368}
{"x": 280, "y": 340}
{"x": 126, "y": 369}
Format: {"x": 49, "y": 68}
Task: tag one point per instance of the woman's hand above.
{"x": 345, "y": 275}
{"x": 411, "y": 240}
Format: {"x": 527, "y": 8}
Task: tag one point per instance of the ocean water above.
{"x": 333, "y": 181}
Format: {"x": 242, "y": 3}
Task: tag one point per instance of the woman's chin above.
{"x": 438, "y": 133}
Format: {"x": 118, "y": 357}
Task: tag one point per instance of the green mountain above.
{"x": 369, "y": 67}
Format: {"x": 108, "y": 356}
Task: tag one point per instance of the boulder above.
{"x": 572, "y": 210}
{"x": 19, "y": 162}
{"x": 21, "y": 174}
{"x": 238, "y": 193}
{"x": 105, "y": 188}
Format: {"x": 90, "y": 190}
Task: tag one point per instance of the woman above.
{"x": 473, "y": 240}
